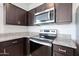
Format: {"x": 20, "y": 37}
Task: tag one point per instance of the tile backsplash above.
{"x": 68, "y": 29}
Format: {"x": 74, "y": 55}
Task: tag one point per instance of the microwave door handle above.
{"x": 54, "y": 14}
{"x": 48, "y": 15}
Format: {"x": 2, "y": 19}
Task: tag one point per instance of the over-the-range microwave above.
{"x": 46, "y": 16}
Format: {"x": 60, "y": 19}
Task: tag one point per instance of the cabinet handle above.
{"x": 19, "y": 22}
{"x": 5, "y": 52}
{"x": 61, "y": 50}
{"x": 15, "y": 42}
{"x": 28, "y": 41}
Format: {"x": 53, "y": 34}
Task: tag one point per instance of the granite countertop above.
{"x": 11, "y": 36}
{"x": 60, "y": 40}
{"x": 65, "y": 41}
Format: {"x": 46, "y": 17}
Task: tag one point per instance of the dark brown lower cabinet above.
{"x": 14, "y": 50}
{"x": 27, "y": 50}
{"x": 14, "y": 47}
{"x": 59, "y": 50}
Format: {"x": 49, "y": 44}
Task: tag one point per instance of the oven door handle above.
{"x": 41, "y": 42}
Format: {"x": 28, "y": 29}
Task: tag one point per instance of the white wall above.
{"x": 62, "y": 28}
{"x": 33, "y": 5}
{"x": 75, "y": 7}
{"x": 22, "y": 5}
{"x": 1, "y": 18}
{"x": 14, "y": 28}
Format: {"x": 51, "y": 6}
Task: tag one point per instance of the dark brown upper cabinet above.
{"x": 31, "y": 17}
{"x": 15, "y": 15}
{"x": 40, "y": 8}
{"x": 44, "y": 7}
{"x": 63, "y": 12}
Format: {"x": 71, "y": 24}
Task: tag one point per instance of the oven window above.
{"x": 40, "y": 50}
{"x": 34, "y": 46}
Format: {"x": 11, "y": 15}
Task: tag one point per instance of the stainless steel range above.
{"x": 41, "y": 45}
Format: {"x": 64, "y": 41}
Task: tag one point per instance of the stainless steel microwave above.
{"x": 45, "y": 16}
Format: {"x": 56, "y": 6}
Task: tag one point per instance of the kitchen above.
{"x": 22, "y": 34}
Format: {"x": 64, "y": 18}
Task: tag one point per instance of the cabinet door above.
{"x": 27, "y": 47}
{"x": 14, "y": 47}
{"x": 2, "y": 51}
{"x": 31, "y": 17}
{"x": 63, "y": 12}
{"x": 44, "y": 7}
{"x": 10, "y": 14}
{"x": 15, "y": 50}
{"x": 21, "y": 16}
{"x": 63, "y": 50}
{"x": 15, "y": 15}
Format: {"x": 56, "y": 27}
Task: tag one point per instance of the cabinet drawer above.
{"x": 11, "y": 42}
{"x": 63, "y": 49}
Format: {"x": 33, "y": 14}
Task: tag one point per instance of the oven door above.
{"x": 38, "y": 48}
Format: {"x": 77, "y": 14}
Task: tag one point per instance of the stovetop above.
{"x": 46, "y": 35}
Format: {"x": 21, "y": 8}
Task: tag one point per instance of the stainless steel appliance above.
{"x": 42, "y": 45}
{"x": 45, "y": 16}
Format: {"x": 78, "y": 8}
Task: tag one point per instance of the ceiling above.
{"x": 27, "y": 6}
